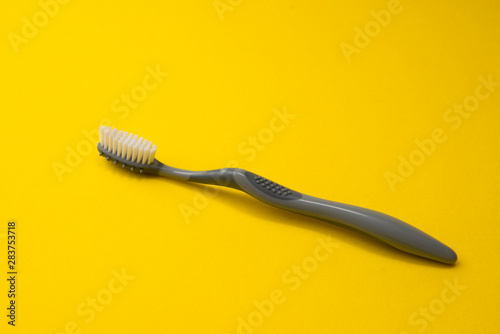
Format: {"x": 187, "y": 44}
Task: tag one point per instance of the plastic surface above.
{"x": 381, "y": 226}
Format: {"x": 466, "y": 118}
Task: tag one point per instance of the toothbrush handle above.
{"x": 381, "y": 226}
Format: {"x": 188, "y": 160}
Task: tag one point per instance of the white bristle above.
{"x": 120, "y": 145}
{"x": 115, "y": 145}
{"x": 106, "y": 138}
{"x": 152, "y": 155}
{"x": 109, "y": 138}
{"x": 135, "y": 151}
{"x": 124, "y": 148}
{"x": 109, "y": 130}
{"x": 127, "y": 146}
{"x": 140, "y": 153}
{"x": 145, "y": 156}
{"x": 142, "y": 147}
{"x": 129, "y": 152}
{"x": 101, "y": 135}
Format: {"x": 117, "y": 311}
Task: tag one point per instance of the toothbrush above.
{"x": 138, "y": 155}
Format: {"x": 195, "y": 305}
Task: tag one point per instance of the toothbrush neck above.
{"x": 219, "y": 177}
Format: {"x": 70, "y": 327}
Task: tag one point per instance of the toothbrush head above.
{"x": 127, "y": 150}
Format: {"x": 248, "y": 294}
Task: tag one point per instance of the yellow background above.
{"x": 352, "y": 121}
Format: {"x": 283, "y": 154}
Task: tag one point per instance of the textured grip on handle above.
{"x": 271, "y": 188}
{"x": 381, "y": 226}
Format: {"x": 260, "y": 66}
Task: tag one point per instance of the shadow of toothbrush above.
{"x": 253, "y": 207}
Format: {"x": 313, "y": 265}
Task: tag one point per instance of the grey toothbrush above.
{"x": 138, "y": 155}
